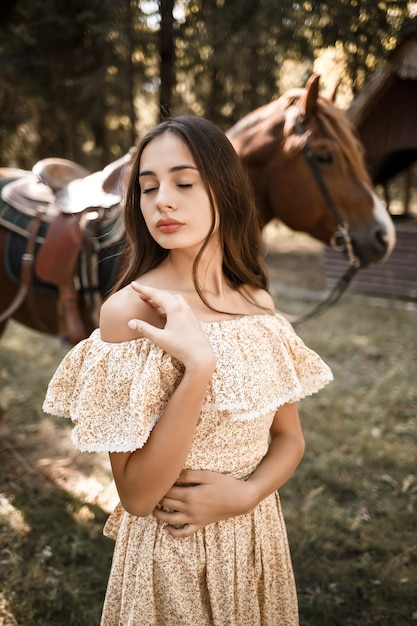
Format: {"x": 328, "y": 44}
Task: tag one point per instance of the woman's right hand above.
{"x": 201, "y": 497}
{"x": 182, "y": 336}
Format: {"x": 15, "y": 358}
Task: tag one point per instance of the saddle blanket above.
{"x": 106, "y": 244}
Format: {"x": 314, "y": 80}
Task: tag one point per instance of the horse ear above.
{"x": 332, "y": 93}
{"x": 309, "y": 99}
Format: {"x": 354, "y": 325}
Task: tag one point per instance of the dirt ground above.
{"x": 295, "y": 261}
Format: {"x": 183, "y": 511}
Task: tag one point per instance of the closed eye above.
{"x": 326, "y": 158}
{"x": 184, "y": 185}
{"x": 149, "y": 190}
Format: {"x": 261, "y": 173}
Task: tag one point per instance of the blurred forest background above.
{"x": 83, "y": 79}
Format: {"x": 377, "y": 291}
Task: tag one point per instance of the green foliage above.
{"x": 367, "y": 29}
{"x": 66, "y": 64}
{"x": 81, "y": 79}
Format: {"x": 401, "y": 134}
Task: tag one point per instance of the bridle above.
{"x": 340, "y": 240}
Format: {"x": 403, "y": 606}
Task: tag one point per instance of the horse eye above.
{"x": 325, "y": 157}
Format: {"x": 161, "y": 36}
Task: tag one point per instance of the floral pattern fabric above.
{"x": 232, "y": 573}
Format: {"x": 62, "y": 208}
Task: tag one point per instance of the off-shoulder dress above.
{"x": 236, "y": 572}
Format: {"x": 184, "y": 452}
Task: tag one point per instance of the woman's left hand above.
{"x": 200, "y": 498}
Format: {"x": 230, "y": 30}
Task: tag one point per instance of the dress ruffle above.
{"x": 115, "y": 392}
{"x": 260, "y": 344}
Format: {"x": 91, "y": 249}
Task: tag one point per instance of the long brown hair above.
{"x": 229, "y": 190}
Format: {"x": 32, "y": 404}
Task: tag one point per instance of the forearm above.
{"x": 276, "y": 468}
{"x": 218, "y": 496}
{"x": 149, "y": 472}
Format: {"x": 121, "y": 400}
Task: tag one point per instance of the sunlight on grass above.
{"x": 7, "y": 619}
{"x": 13, "y": 517}
{"x": 60, "y": 499}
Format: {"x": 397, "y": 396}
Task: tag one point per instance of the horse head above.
{"x": 308, "y": 170}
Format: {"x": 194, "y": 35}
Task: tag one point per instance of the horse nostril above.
{"x": 379, "y": 238}
{"x": 373, "y": 248}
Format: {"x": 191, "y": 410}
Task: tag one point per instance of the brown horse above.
{"x": 306, "y": 167}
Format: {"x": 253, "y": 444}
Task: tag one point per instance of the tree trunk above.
{"x": 167, "y": 56}
{"x": 130, "y": 72}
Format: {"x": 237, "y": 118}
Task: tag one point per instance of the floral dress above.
{"x": 235, "y": 572}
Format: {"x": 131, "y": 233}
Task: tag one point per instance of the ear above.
{"x": 332, "y": 93}
{"x": 309, "y": 99}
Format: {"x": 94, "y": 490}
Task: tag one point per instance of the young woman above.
{"x": 191, "y": 384}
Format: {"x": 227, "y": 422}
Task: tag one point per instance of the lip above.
{"x": 168, "y": 226}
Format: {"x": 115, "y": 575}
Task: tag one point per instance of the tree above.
{"x": 367, "y": 29}
{"x": 73, "y": 62}
{"x": 167, "y": 57}
{"x": 226, "y": 58}
{"x": 81, "y": 78}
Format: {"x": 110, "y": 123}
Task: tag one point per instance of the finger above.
{"x": 174, "y": 492}
{"x": 179, "y": 533}
{"x": 161, "y": 298}
{"x": 150, "y": 294}
{"x": 172, "y": 504}
{"x": 145, "y": 330}
{"x": 174, "y": 518}
{"x": 148, "y": 299}
{"x": 143, "y": 289}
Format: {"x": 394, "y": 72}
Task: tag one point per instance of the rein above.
{"x": 340, "y": 240}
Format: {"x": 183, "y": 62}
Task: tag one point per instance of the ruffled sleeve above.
{"x": 113, "y": 392}
{"x": 305, "y": 366}
{"x": 262, "y": 365}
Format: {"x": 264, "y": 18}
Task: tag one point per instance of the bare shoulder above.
{"x": 116, "y": 312}
{"x": 262, "y": 297}
{"x": 125, "y": 305}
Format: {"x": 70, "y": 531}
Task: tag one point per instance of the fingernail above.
{"x": 132, "y": 324}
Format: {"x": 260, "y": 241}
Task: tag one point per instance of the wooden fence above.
{"x": 396, "y": 278}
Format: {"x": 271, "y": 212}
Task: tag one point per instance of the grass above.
{"x": 351, "y": 507}
{"x": 54, "y": 560}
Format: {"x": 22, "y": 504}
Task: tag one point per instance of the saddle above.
{"x": 69, "y": 197}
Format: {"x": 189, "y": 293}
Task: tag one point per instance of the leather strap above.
{"x": 28, "y": 259}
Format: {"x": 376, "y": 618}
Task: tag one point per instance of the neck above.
{"x": 179, "y": 267}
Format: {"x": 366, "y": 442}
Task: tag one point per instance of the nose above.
{"x": 370, "y": 247}
{"x": 165, "y": 200}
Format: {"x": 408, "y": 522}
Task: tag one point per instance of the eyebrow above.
{"x": 176, "y": 168}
